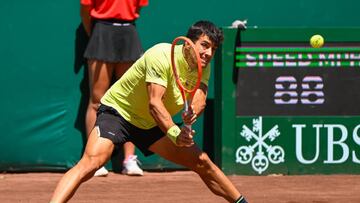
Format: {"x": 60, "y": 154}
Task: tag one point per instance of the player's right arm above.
{"x": 157, "y": 108}
{"x": 184, "y": 137}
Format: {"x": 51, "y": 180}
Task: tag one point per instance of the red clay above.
{"x": 183, "y": 187}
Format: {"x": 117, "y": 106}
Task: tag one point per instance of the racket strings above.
{"x": 188, "y": 78}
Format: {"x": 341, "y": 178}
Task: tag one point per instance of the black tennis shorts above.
{"x": 115, "y": 128}
{"x": 114, "y": 41}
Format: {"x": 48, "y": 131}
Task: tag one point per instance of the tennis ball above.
{"x": 316, "y": 41}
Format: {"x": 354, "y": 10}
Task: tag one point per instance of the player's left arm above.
{"x": 198, "y": 105}
{"x": 199, "y": 101}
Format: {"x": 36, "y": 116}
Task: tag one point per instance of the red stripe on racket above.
{"x": 178, "y": 75}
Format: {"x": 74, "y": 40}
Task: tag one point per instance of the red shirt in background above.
{"x": 115, "y": 9}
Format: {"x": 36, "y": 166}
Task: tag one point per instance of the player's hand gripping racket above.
{"x": 187, "y": 78}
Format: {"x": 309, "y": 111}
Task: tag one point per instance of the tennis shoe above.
{"x": 131, "y": 167}
{"x": 101, "y": 172}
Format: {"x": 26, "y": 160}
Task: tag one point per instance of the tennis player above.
{"x": 139, "y": 108}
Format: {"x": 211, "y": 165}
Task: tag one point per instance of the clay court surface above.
{"x": 183, "y": 187}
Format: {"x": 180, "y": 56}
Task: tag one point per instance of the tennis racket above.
{"x": 187, "y": 78}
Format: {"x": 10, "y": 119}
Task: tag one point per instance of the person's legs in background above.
{"x": 130, "y": 162}
{"x": 100, "y": 74}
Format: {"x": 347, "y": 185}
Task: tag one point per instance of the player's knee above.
{"x": 203, "y": 164}
{"x": 89, "y": 164}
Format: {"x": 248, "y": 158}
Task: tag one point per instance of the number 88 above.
{"x": 287, "y": 94}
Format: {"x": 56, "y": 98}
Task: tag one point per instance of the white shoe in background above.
{"x": 101, "y": 172}
{"x": 131, "y": 167}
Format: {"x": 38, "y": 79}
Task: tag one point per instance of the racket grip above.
{"x": 188, "y": 126}
{"x": 187, "y": 111}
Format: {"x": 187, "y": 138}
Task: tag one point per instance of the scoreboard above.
{"x": 284, "y": 107}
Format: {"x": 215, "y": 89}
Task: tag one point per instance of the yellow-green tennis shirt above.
{"x": 129, "y": 94}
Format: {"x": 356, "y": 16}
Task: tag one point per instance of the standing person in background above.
{"x": 113, "y": 47}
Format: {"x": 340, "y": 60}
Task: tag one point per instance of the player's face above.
{"x": 206, "y": 50}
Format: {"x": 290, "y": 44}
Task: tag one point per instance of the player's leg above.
{"x": 198, "y": 161}
{"x": 100, "y": 75}
{"x": 130, "y": 164}
{"x": 97, "y": 152}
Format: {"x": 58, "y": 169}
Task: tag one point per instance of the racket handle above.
{"x": 188, "y": 126}
{"x": 187, "y": 111}
{"x": 187, "y": 107}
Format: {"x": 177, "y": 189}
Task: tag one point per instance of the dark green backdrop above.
{"x": 43, "y": 80}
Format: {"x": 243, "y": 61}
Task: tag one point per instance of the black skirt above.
{"x": 114, "y": 42}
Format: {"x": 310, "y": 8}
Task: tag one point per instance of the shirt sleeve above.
{"x": 156, "y": 71}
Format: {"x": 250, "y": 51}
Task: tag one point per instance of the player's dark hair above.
{"x": 208, "y": 28}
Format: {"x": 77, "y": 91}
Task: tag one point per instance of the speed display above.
{"x": 289, "y": 80}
